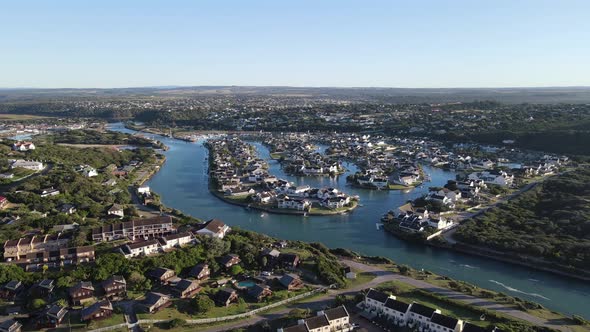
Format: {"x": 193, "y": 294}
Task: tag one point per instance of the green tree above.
{"x": 236, "y": 269}
{"x": 203, "y": 303}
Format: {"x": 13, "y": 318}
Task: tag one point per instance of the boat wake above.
{"x": 467, "y": 266}
{"x": 519, "y": 291}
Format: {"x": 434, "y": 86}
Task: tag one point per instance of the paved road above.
{"x": 384, "y": 276}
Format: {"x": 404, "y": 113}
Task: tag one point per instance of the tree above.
{"x": 264, "y": 261}
{"x": 203, "y": 303}
{"x": 236, "y": 269}
{"x": 37, "y": 304}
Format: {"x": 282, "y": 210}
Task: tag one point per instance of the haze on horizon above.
{"x": 406, "y": 44}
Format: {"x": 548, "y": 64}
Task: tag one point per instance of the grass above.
{"x": 361, "y": 278}
{"x": 399, "y": 187}
{"x": 20, "y": 117}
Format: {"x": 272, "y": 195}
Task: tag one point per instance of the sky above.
{"x": 339, "y": 43}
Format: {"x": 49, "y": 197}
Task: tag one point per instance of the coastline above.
{"x": 483, "y": 252}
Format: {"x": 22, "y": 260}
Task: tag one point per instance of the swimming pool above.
{"x": 246, "y": 284}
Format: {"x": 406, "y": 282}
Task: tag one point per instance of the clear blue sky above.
{"x": 437, "y": 43}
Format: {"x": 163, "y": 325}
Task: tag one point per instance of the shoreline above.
{"x": 481, "y": 252}
{"x": 282, "y": 211}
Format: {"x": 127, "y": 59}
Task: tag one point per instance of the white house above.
{"x": 215, "y": 228}
{"x": 87, "y": 171}
{"x": 116, "y": 210}
{"x": 27, "y": 164}
{"x": 443, "y": 323}
{"x": 375, "y": 300}
{"x": 420, "y": 314}
{"x": 176, "y": 240}
{"x": 23, "y": 146}
{"x": 439, "y": 223}
{"x": 143, "y": 190}
{"x": 293, "y": 204}
{"x": 143, "y": 248}
{"x": 397, "y": 311}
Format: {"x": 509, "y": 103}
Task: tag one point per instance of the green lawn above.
{"x": 361, "y": 278}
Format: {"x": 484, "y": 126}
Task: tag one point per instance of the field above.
{"x": 20, "y": 117}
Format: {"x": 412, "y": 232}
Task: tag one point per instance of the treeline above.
{"x": 551, "y": 221}
{"x": 98, "y": 137}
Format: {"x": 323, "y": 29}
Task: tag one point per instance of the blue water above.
{"x": 246, "y": 283}
{"x": 182, "y": 184}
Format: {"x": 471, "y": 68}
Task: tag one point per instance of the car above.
{"x": 266, "y": 273}
{"x": 355, "y": 325}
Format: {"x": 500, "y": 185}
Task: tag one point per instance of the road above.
{"x": 384, "y": 276}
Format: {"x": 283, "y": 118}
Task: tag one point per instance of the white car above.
{"x": 266, "y": 273}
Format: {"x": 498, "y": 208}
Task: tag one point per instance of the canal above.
{"x": 182, "y": 184}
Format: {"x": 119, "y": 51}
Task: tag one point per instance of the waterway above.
{"x": 182, "y": 184}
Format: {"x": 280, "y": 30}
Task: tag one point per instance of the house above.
{"x": 10, "y": 325}
{"x": 42, "y": 289}
{"x": 154, "y": 302}
{"x": 338, "y": 318}
{"x": 286, "y": 202}
{"x": 54, "y": 316}
{"x": 468, "y": 327}
{"x": 421, "y": 314}
{"x": 27, "y": 164}
{"x": 443, "y": 323}
{"x": 230, "y": 260}
{"x": 176, "y": 240}
{"x": 162, "y": 275}
{"x": 200, "y": 272}
{"x": 81, "y": 292}
{"x": 186, "y": 288}
{"x": 3, "y": 202}
{"x": 318, "y": 324}
{"x": 215, "y": 228}
{"x": 48, "y": 192}
{"x": 114, "y": 287}
{"x": 11, "y": 289}
{"x": 397, "y": 311}
{"x": 87, "y": 171}
{"x": 142, "y": 248}
{"x": 349, "y": 273}
{"x": 23, "y": 146}
{"x": 259, "y": 292}
{"x": 225, "y": 297}
{"x": 142, "y": 190}
{"x": 68, "y": 209}
{"x": 135, "y": 229}
{"x": 116, "y": 210}
{"x": 289, "y": 260}
{"x": 375, "y": 300}
{"x": 291, "y": 282}
{"x": 99, "y": 310}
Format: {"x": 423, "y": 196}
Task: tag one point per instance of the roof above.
{"x": 214, "y": 225}
{"x": 197, "y": 269}
{"x": 396, "y": 305}
{"x": 257, "y": 290}
{"x": 56, "y": 311}
{"x": 81, "y": 285}
{"x": 152, "y": 298}
{"x": 377, "y": 295}
{"x": 7, "y": 324}
{"x": 224, "y": 294}
{"x": 287, "y": 279}
{"x": 468, "y": 327}
{"x": 142, "y": 244}
{"x": 184, "y": 284}
{"x": 296, "y": 328}
{"x": 422, "y": 310}
{"x": 159, "y": 272}
{"x": 89, "y": 311}
{"x": 317, "y": 322}
{"x": 443, "y": 320}
{"x": 336, "y": 313}
{"x": 113, "y": 280}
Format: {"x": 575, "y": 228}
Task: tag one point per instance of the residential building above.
{"x": 98, "y": 310}
{"x": 162, "y": 275}
{"x": 154, "y": 302}
{"x": 142, "y": 248}
{"x": 186, "y": 288}
{"x": 225, "y": 297}
{"x": 171, "y": 241}
{"x": 200, "y": 272}
{"x": 116, "y": 210}
{"x": 291, "y": 282}
{"x": 443, "y": 323}
{"x": 10, "y": 325}
{"x": 27, "y": 164}
{"x": 81, "y": 292}
{"x": 114, "y": 288}
{"x": 259, "y": 292}
{"x": 135, "y": 229}
{"x": 215, "y": 228}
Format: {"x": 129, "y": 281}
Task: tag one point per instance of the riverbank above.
{"x": 482, "y": 252}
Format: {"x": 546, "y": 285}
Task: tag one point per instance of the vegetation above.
{"x": 551, "y": 221}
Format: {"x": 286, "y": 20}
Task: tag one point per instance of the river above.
{"x": 182, "y": 184}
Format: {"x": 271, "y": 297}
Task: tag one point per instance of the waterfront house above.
{"x": 291, "y": 282}
{"x": 421, "y": 314}
{"x": 99, "y": 310}
{"x": 443, "y": 323}
{"x": 186, "y": 288}
{"x": 285, "y": 202}
{"x": 225, "y": 297}
{"x": 81, "y": 292}
{"x": 161, "y": 275}
{"x": 114, "y": 288}
{"x": 215, "y": 228}
{"x": 10, "y": 325}
{"x": 200, "y": 271}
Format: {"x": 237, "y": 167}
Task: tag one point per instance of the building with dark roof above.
{"x": 421, "y": 313}
{"x": 443, "y": 323}
{"x": 396, "y": 309}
